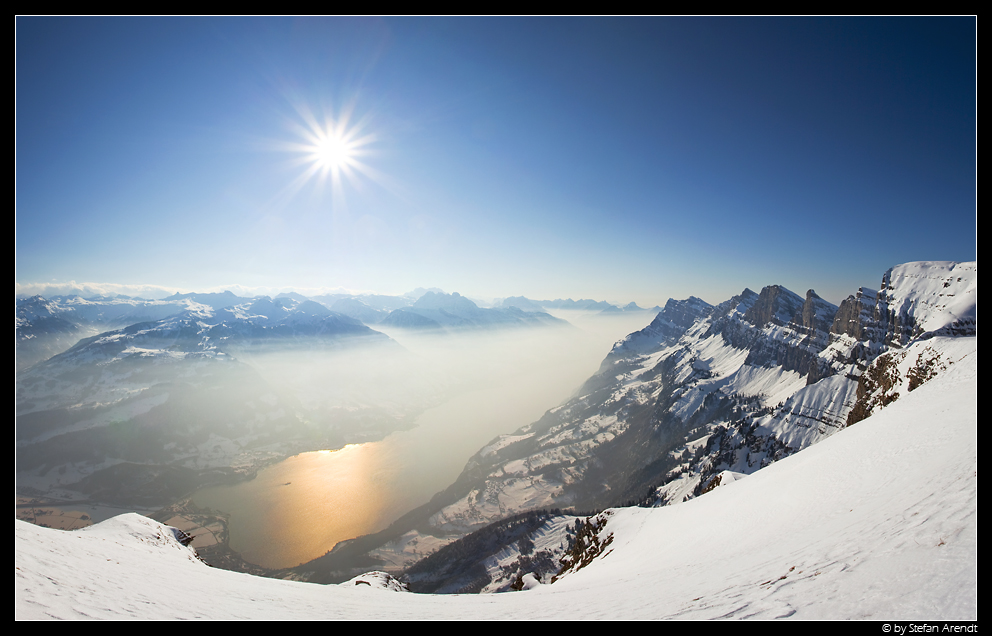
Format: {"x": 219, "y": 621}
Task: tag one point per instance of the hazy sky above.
{"x": 618, "y": 159}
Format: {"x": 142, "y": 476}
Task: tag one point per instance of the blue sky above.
{"x": 619, "y": 159}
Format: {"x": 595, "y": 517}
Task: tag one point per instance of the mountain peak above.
{"x": 450, "y": 302}
{"x": 774, "y": 304}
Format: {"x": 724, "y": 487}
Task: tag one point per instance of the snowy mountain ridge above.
{"x": 703, "y": 390}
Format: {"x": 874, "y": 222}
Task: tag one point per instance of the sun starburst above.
{"x": 331, "y": 149}
{"x": 333, "y": 152}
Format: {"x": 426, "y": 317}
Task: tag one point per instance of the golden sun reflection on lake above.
{"x": 304, "y": 505}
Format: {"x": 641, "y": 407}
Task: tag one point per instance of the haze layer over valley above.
{"x": 149, "y": 413}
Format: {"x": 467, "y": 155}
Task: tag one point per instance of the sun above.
{"x": 331, "y": 149}
{"x": 333, "y": 152}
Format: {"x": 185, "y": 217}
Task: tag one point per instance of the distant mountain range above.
{"x": 568, "y": 304}
{"x": 47, "y": 326}
{"x": 437, "y": 311}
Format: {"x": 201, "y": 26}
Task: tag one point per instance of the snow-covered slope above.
{"x": 879, "y": 521}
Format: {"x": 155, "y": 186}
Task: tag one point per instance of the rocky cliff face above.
{"x": 859, "y": 363}
{"x": 915, "y": 301}
{"x": 898, "y": 372}
{"x": 776, "y": 305}
{"x": 817, "y": 314}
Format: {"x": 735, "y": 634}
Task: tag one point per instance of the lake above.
{"x": 298, "y": 509}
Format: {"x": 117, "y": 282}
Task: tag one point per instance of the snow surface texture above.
{"x": 879, "y": 521}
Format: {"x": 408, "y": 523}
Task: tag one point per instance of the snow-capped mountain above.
{"x": 878, "y": 522}
{"x": 118, "y": 311}
{"x": 359, "y": 310}
{"x": 282, "y": 323}
{"x": 46, "y": 327}
{"x": 198, "y": 334}
{"x": 700, "y": 391}
{"x": 41, "y": 332}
